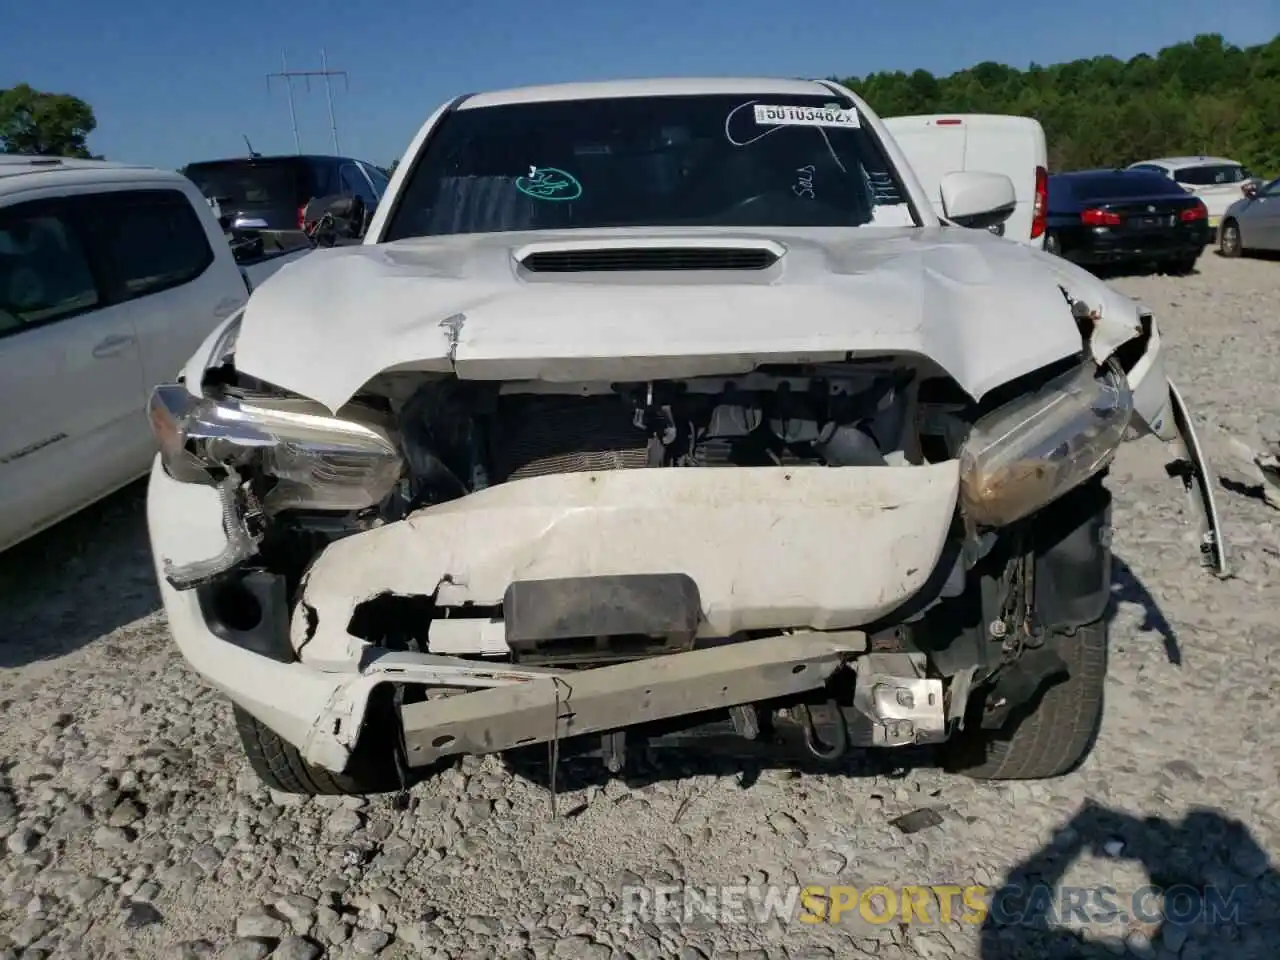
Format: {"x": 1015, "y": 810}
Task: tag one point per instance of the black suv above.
{"x": 270, "y": 193}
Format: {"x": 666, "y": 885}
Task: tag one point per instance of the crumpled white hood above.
{"x": 984, "y": 309}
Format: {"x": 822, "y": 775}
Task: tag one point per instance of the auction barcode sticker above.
{"x": 770, "y": 115}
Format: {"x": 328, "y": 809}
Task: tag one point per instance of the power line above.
{"x": 290, "y": 75}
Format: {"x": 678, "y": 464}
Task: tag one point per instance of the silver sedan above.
{"x": 1252, "y": 222}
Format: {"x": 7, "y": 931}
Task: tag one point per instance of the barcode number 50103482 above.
{"x": 768, "y": 114}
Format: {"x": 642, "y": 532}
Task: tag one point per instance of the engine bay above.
{"x": 458, "y": 436}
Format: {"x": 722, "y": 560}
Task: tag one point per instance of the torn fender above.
{"x": 1201, "y": 485}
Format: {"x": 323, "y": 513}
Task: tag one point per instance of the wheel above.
{"x": 1182, "y": 265}
{"x": 1052, "y": 244}
{"x": 1229, "y": 244}
{"x": 281, "y": 767}
{"x": 1053, "y": 731}
{"x": 1056, "y": 733}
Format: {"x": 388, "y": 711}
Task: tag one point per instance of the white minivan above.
{"x": 938, "y": 144}
{"x": 110, "y": 277}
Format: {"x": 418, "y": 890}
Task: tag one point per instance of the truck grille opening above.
{"x": 543, "y": 435}
{"x": 649, "y": 259}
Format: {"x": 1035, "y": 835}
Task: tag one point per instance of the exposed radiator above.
{"x": 536, "y": 435}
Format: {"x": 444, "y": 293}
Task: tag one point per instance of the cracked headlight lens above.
{"x": 319, "y": 461}
{"x": 1024, "y": 455}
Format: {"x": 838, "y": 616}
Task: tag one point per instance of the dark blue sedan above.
{"x": 1099, "y": 217}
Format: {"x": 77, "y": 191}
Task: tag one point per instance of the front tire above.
{"x": 1229, "y": 241}
{"x": 1055, "y": 733}
{"x": 1181, "y": 266}
{"x": 280, "y": 765}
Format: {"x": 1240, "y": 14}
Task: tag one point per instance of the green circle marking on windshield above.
{"x": 549, "y": 183}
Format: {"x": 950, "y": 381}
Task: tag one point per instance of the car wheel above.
{"x": 1229, "y": 244}
{"x": 1053, "y": 731}
{"x": 1052, "y": 244}
{"x": 1181, "y": 266}
{"x": 1056, "y": 734}
{"x": 281, "y": 767}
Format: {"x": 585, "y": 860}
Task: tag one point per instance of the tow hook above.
{"x": 832, "y": 719}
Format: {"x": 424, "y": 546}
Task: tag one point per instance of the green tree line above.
{"x": 44, "y": 124}
{"x": 1201, "y": 97}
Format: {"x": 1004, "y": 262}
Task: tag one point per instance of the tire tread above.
{"x": 1058, "y": 734}
{"x": 282, "y": 767}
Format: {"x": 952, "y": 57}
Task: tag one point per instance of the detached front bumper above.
{"x": 767, "y": 549}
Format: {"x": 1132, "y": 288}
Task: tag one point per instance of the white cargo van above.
{"x": 1015, "y": 146}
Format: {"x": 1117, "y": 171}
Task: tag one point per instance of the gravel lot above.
{"x": 131, "y": 827}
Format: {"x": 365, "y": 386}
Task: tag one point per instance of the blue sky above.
{"x": 172, "y": 82}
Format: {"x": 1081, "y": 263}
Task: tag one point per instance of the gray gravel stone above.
{"x": 128, "y": 812}
{"x": 342, "y": 823}
{"x": 296, "y": 948}
{"x": 297, "y": 909}
{"x": 83, "y": 891}
{"x": 259, "y": 922}
{"x": 368, "y": 943}
{"x": 29, "y": 931}
{"x": 207, "y": 858}
{"x": 192, "y": 950}
{"x": 22, "y": 840}
{"x": 138, "y": 915}
{"x": 111, "y": 838}
{"x": 244, "y": 950}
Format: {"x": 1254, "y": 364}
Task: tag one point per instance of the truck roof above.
{"x": 651, "y": 87}
{"x": 17, "y": 164}
{"x": 20, "y": 174}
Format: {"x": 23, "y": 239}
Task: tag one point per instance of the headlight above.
{"x": 320, "y": 462}
{"x": 1027, "y": 453}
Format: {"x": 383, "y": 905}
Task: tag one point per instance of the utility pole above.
{"x": 328, "y": 92}
{"x": 288, "y": 76}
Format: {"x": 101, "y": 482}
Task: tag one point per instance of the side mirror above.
{"x": 977, "y": 199}
{"x": 345, "y": 211}
{"x": 338, "y": 205}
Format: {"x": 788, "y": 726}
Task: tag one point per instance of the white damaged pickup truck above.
{"x": 654, "y": 404}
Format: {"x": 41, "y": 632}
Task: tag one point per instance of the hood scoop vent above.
{"x": 649, "y": 258}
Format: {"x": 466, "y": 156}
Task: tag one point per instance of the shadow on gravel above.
{"x": 78, "y": 580}
{"x": 1250, "y": 491}
{"x": 1271, "y": 255}
{"x": 1126, "y": 587}
{"x": 1211, "y": 891}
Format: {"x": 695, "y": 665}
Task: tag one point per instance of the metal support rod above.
{"x": 328, "y": 92}
{"x": 288, "y": 82}
{"x": 288, "y": 76}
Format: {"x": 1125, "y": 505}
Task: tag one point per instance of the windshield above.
{"x": 255, "y": 183}
{"x": 1211, "y": 175}
{"x": 1122, "y": 185}
{"x": 707, "y": 160}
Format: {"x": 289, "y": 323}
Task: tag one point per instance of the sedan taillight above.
{"x": 1197, "y": 212}
{"x": 1095, "y": 217}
